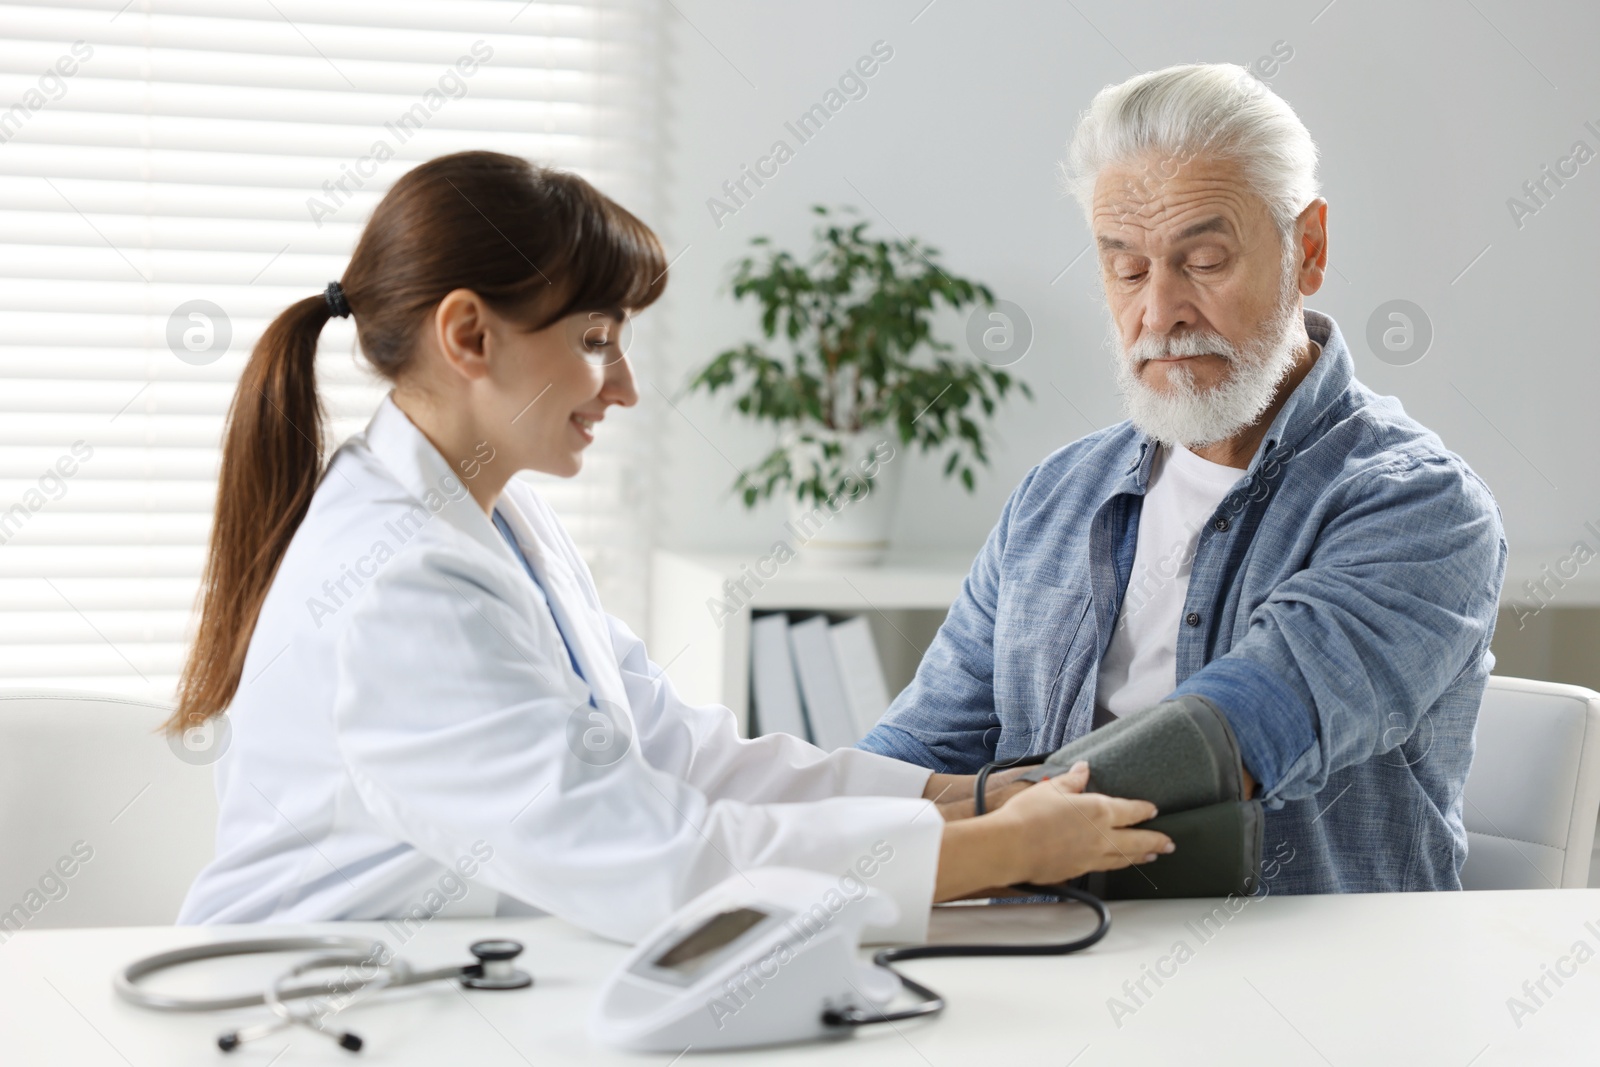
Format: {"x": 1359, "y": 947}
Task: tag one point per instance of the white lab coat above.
{"x": 408, "y": 713}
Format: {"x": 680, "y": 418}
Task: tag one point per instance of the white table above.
{"x": 1350, "y": 981}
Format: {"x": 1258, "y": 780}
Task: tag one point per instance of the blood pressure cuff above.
{"x": 1182, "y": 756}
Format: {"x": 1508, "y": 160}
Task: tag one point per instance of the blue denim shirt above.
{"x": 1339, "y": 613}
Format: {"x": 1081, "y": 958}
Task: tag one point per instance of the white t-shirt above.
{"x": 1140, "y": 666}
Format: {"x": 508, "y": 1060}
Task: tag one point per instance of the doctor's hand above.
{"x": 1051, "y": 832}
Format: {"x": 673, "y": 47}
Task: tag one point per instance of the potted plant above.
{"x": 857, "y": 370}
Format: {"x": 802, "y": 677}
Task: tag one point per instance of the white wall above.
{"x": 1428, "y": 118}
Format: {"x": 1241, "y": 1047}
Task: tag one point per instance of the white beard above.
{"x": 1182, "y": 413}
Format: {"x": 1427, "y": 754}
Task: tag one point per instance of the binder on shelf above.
{"x": 774, "y": 692}
{"x": 861, "y": 672}
{"x": 827, "y": 705}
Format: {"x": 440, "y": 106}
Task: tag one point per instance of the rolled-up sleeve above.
{"x": 1346, "y": 656}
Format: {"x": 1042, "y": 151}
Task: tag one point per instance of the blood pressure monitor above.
{"x": 761, "y": 959}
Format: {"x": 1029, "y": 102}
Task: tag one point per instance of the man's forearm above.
{"x": 942, "y": 788}
{"x": 954, "y": 792}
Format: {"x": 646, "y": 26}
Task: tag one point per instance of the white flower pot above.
{"x": 852, "y": 528}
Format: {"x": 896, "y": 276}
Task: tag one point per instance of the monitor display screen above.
{"x": 719, "y": 930}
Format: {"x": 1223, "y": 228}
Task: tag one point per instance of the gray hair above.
{"x": 1216, "y": 110}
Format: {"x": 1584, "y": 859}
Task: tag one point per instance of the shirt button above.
{"x": 1220, "y": 524}
{"x": 1193, "y": 618}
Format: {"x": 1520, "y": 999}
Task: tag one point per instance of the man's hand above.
{"x": 1249, "y": 783}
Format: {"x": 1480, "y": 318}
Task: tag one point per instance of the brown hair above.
{"x": 537, "y": 244}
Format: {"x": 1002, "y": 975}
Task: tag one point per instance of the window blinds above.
{"x": 175, "y": 172}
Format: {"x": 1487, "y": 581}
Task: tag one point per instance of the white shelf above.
{"x": 701, "y": 606}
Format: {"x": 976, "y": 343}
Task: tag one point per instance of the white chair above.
{"x": 1534, "y": 789}
{"x": 101, "y": 823}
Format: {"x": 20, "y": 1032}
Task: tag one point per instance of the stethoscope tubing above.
{"x": 356, "y": 949}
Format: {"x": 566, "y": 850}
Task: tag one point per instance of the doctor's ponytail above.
{"x": 535, "y": 243}
{"x": 271, "y": 462}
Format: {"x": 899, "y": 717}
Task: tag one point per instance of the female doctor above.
{"x": 419, "y": 679}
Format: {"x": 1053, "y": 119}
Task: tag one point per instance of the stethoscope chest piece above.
{"x": 494, "y": 969}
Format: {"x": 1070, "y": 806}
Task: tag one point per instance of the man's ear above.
{"x": 1312, "y": 227}
{"x": 461, "y": 330}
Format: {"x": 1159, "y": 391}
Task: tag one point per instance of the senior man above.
{"x": 1263, "y": 531}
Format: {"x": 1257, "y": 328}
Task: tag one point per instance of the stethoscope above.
{"x": 375, "y": 971}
